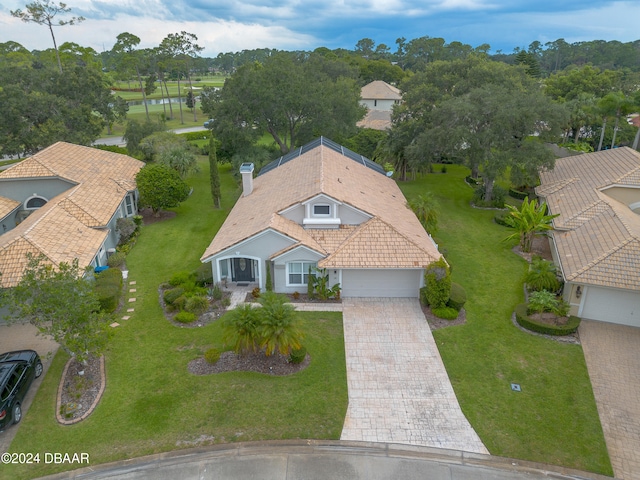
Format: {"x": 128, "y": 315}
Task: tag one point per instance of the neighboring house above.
{"x": 596, "y": 241}
{"x": 323, "y": 206}
{"x": 379, "y": 97}
{"x": 63, "y": 203}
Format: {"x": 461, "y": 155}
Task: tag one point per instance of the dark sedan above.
{"x": 17, "y": 372}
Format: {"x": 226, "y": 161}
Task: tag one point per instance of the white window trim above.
{"x": 324, "y": 215}
{"x": 289, "y": 272}
{"x": 33, "y": 197}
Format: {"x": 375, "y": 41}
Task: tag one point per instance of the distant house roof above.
{"x": 379, "y": 90}
{"x": 597, "y": 236}
{"x": 72, "y": 224}
{"x": 376, "y": 120}
{"x": 392, "y": 238}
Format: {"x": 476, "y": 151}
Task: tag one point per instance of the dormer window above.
{"x": 321, "y": 210}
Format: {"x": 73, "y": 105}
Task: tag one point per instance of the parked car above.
{"x": 208, "y": 123}
{"x": 17, "y": 371}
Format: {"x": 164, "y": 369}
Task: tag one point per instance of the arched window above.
{"x": 34, "y": 202}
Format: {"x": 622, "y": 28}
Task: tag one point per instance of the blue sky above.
{"x": 233, "y": 25}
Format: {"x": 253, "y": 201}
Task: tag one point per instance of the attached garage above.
{"x": 381, "y": 283}
{"x": 611, "y": 305}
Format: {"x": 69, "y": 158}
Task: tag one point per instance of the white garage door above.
{"x": 608, "y": 305}
{"x": 381, "y": 283}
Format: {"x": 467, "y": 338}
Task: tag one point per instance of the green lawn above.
{"x": 151, "y": 403}
{"x": 554, "y": 418}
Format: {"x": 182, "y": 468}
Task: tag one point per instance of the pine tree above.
{"x": 213, "y": 172}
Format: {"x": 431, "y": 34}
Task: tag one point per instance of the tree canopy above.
{"x": 62, "y": 304}
{"x": 292, "y": 99}
{"x": 160, "y": 187}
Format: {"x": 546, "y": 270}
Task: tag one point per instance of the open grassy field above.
{"x": 554, "y": 418}
{"x": 151, "y": 403}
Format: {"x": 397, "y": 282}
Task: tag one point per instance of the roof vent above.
{"x": 246, "y": 170}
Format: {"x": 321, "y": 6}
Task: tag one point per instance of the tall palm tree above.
{"x": 425, "y": 206}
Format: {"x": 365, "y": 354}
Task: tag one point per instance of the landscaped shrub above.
{"x": 542, "y": 275}
{"x": 116, "y": 259}
{"x": 268, "y": 281}
{"x": 204, "y": 274}
{"x": 500, "y": 218}
{"x": 185, "y": 317}
{"x": 171, "y": 295}
{"x": 180, "y": 278}
{"x": 497, "y": 200}
{"x": 179, "y": 303}
{"x": 437, "y": 281}
{"x": 545, "y": 301}
{"x": 298, "y": 355}
{"x": 108, "y": 287}
{"x": 473, "y": 181}
{"x": 108, "y": 296}
{"x": 212, "y": 355}
{"x": 197, "y": 305}
{"x": 255, "y": 293}
{"x": 457, "y": 296}
{"x": 527, "y": 322}
{"x": 125, "y": 227}
{"x": 215, "y": 292}
{"x": 446, "y": 313}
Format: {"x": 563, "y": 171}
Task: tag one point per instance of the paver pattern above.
{"x": 611, "y": 353}
{"x": 399, "y": 391}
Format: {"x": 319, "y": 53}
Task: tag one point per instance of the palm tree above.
{"x": 279, "y": 328}
{"x": 529, "y": 220}
{"x": 241, "y": 328}
{"x": 425, "y": 206}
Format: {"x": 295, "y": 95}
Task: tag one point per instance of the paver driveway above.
{"x": 399, "y": 391}
{"x": 611, "y": 353}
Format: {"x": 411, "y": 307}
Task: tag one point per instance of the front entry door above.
{"x": 243, "y": 270}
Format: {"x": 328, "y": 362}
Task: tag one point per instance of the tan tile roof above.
{"x": 324, "y": 170}
{"x": 379, "y": 90}
{"x": 7, "y": 205}
{"x": 66, "y": 227}
{"x": 596, "y": 236}
{"x": 376, "y": 120}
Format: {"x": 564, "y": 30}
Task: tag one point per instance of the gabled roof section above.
{"x": 377, "y": 244}
{"x": 7, "y": 205}
{"x": 379, "y": 90}
{"x": 71, "y": 225}
{"x": 600, "y": 244}
{"x": 327, "y": 143}
{"x": 321, "y": 168}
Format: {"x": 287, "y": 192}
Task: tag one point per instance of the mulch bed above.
{"x": 215, "y": 311}
{"x": 148, "y": 217}
{"x": 275, "y": 364}
{"x": 436, "y": 323}
{"x": 301, "y": 298}
{"x": 80, "y": 391}
{"x": 540, "y": 246}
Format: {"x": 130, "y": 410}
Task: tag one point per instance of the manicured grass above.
{"x": 152, "y": 404}
{"x": 554, "y": 418}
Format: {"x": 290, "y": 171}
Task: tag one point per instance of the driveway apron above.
{"x": 399, "y": 391}
{"x": 611, "y": 353}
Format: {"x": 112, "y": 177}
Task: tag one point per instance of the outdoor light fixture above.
{"x": 579, "y": 291}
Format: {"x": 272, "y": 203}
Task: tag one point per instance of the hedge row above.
{"x": 530, "y": 324}
{"x": 109, "y": 289}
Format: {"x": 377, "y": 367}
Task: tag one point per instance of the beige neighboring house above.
{"x": 323, "y": 206}
{"x": 63, "y": 203}
{"x": 379, "y": 97}
{"x": 596, "y": 241}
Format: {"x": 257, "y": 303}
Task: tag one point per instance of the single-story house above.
{"x": 596, "y": 241}
{"x": 379, "y": 97}
{"x": 323, "y": 206}
{"x": 63, "y": 203}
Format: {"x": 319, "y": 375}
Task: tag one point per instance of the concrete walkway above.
{"x": 613, "y": 360}
{"x": 399, "y": 391}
